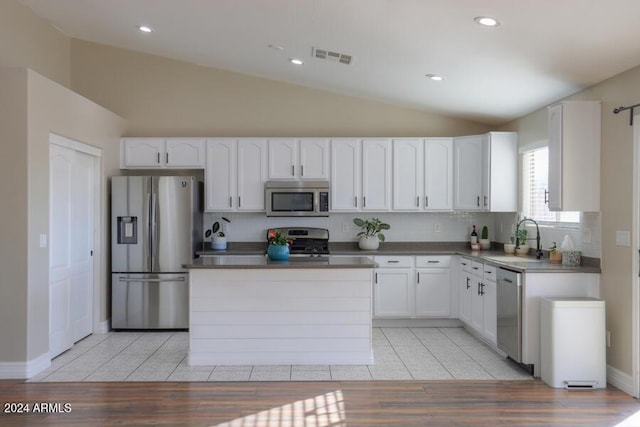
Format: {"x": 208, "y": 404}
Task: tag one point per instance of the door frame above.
{"x": 635, "y": 245}
{"x": 96, "y": 153}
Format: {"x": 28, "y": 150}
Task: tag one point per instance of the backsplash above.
{"x": 412, "y": 227}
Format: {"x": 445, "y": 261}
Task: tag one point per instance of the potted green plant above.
{"x": 523, "y": 247}
{"x": 555, "y": 256}
{"x": 278, "y": 249}
{"x": 218, "y": 238}
{"x": 484, "y": 241}
{"x": 370, "y": 234}
{"x": 510, "y": 248}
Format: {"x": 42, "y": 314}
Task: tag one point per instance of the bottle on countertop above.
{"x": 474, "y": 236}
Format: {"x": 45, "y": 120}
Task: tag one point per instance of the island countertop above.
{"x": 262, "y": 261}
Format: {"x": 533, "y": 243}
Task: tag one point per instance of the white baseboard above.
{"x": 24, "y": 370}
{"x": 102, "y": 327}
{"x": 416, "y": 323}
{"x": 620, "y": 380}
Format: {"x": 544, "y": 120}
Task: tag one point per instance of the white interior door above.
{"x": 71, "y": 228}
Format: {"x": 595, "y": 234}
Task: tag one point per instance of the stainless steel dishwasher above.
{"x": 509, "y": 322}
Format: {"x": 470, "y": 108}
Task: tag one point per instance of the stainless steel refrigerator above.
{"x": 156, "y": 224}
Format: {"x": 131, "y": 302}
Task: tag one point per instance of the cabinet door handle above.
{"x": 239, "y": 202}
{"x": 364, "y": 201}
{"x": 479, "y": 288}
{"x": 426, "y": 201}
{"x": 301, "y": 170}
{"x": 546, "y": 196}
{"x": 293, "y": 170}
{"x": 355, "y": 201}
{"x": 376, "y": 278}
{"x": 230, "y": 201}
{"x": 393, "y": 261}
{"x": 417, "y": 201}
{"x": 432, "y": 261}
{"x": 475, "y": 268}
{"x": 166, "y": 158}
{"x": 478, "y": 201}
{"x": 418, "y": 277}
{"x": 468, "y": 279}
{"x": 158, "y": 161}
{"x": 486, "y": 202}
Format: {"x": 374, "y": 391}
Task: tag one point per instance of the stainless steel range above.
{"x": 307, "y": 241}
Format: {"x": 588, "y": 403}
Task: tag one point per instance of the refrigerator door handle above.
{"x": 177, "y": 279}
{"x": 147, "y": 225}
{"x": 153, "y": 230}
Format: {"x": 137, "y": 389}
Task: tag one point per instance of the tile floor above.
{"x": 399, "y": 353}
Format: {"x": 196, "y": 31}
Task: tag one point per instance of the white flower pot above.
{"x": 369, "y": 243}
{"x": 219, "y": 243}
{"x": 523, "y": 250}
{"x": 509, "y": 248}
{"x": 485, "y": 243}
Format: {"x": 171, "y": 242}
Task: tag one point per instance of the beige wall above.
{"x": 13, "y": 211}
{"x": 160, "y": 96}
{"x": 28, "y": 41}
{"x": 617, "y": 277}
{"x": 44, "y": 107}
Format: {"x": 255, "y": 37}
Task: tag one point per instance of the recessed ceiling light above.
{"x": 144, "y": 29}
{"x": 434, "y": 77}
{"x": 296, "y": 61}
{"x": 486, "y": 21}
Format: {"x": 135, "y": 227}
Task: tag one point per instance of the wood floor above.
{"x": 331, "y": 403}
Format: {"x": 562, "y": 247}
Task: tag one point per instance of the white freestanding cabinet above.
{"x": 486, "y": 172}
{"x": 235, "y": 174}
{"x": 153, "y": 153}
{"x": 360, "y": 175}
{"x": 574, "y": 156}
{"x": 292, "y": 158}
{"x": 422, "y": 174}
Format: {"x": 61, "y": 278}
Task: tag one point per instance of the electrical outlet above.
{"x": 345, "y": 227}
{"x": 43, "y": 240}
{"x": 608, "y": 338}
{"x": 436, "y": 227}
{"x": 586, "y": 236}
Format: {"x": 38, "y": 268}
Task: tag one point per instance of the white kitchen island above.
{"x": 248, "y": 310}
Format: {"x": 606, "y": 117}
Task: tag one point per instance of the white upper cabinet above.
{"x": 574, "y": 156}
{"x": 408, "y": 174}
{"x": 486, "y": 172}
{"x": 423, "y": 174}
{"x": 500, "y": 172}
{"x": 346, "y": 174}
{"x": 292, "y": 158}
{"x": 177, "y": 153}
{"x": 468, "y": 164}
{"x": 376, "y": 174}
{"x": 235, "y": 174}
{"x": 360, "y": 175}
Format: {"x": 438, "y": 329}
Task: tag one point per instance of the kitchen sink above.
{"x": 512, "y": 258}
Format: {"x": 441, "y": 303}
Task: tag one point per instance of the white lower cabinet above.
{"x": 433, "y": 286}
{"x": 402, "y": 291}
{"x": 478, "y": 298}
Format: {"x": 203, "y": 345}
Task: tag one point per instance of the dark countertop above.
{"x": 262, "y": 261}
{"x": 339, "y": 250}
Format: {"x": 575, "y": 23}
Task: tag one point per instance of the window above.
{"x": 535, "y": 176}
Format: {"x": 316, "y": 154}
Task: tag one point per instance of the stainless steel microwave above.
{"x": 297, "y": 198}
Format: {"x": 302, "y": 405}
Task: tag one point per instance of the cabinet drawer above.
{"x": 438, "y": 261}
{"x": 394, "y": 261}
{"x": 477, "y": 268}
{"x": 489, "y": 272}
{"x": 465, "y": 265}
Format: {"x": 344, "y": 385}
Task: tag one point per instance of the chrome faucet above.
{"x": 538, "y": 247}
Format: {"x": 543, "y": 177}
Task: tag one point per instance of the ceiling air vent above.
{"x": 331, "y": 55}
